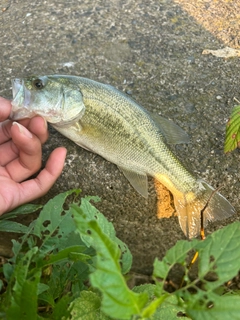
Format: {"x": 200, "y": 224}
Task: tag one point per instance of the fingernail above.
{"x": 22, "y": 129}
{"x": 45, "y": 123}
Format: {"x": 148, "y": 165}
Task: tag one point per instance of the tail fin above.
{"x": 190, "y": 205}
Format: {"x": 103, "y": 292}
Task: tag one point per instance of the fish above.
{"x": 106, "y": 121}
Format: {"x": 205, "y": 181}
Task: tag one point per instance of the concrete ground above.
{"x": 153, "y": 51}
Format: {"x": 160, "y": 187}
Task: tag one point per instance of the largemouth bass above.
{"x": 105, "y": 121}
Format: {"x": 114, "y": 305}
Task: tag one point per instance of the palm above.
{"x": 20, "y": 158}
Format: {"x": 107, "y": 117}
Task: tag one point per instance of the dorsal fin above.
{"x": 172, "y": 132}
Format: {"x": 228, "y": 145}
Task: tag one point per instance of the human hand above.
{"x": 21, "y": 157}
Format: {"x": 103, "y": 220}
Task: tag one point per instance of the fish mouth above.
{"x": 16, "y": 86}
{"x": 21, "y": 100}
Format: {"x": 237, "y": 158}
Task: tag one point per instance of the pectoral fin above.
{"x": 138, "y": 181}
{"x": 172, "y": 132}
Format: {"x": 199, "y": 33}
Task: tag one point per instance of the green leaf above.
{"x": 46, "y": 297}
{"x": 153, "y": 302}
{"x": 29, "y": 302}
{"x": 61, "y": 308}
{"x": 16, "y": 248}
{"x": 177, "y": 254}
{"x": 24, "y": 209}
{"x": 12, "y": 226}
{"x": 76, "y": 256}
{"x": 214, "y": 307}
{"x": 87, "y": 307}
{"x": 220, "y": 254}
{"x": 21, "y": 295}
{"x": 118, "y": 299}
{"x": 169, "y": 310}
{"x": 55, "y": 225}
{"x": 107, "y": 227}
{"x": 164, "y": 307}
{"x": 91, "y": 213}
{"x": 64, "y": 277}
{"x": 42, "y": 287}
{"x": 153, "y": 306}
{"x": 51, "y": 216}
{"x": 8, "y": 269}
{"x": 61, "y": 261}
{"x": 147, "y": 288}
{"x": 233, "y": 130}
{"x": 63, "y": 255}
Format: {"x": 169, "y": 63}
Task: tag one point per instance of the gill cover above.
{"x": 58, "y": 100}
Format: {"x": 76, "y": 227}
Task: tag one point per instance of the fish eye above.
{"x": 38, "y": 84}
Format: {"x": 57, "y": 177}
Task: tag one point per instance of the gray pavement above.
{"x": 152, "y": 50}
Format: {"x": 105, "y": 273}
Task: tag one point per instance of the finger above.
{"x": 38, "y": 126}
{"x": 5, "y": 128}
{"x": 5, "y": 131}
{"x": 8, "y": 152}
{"x": 5, "y": 109}
{"x": 32, "y": 189}
{"x": 35, "y": 188}
{"x": 30, "y": 154}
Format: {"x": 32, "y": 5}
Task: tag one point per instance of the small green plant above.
{"x": 232, "y": 139}
{"x": 69, "y": 264}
